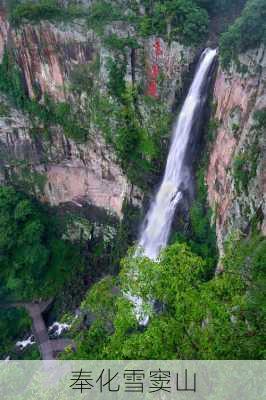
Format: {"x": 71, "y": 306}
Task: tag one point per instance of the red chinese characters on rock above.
{"x": 157, "y": 48}
{"x": 152, "y": 89}
{"x": 154, "y": 72}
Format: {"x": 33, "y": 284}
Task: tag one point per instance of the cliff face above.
{"x": 237, "y": 171}
{"x": 59, "y": 170}
{"x": 48, "y": 55}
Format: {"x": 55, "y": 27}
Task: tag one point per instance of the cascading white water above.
{"x": 158, "y": 222}
{"x": 155, "y": 234}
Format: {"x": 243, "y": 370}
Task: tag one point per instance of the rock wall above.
{"x": 71, "y": 172}
{"x": 47, "y": 54}
{"x": 239, "y": 94}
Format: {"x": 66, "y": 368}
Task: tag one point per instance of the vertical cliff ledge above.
{"x": 237, "y": 170}
{"x": 73, "y": 70}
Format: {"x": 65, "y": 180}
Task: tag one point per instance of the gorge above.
{"x": 89, "y": 93}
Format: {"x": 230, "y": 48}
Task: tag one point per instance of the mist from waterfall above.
{"x": 177, "y": 178}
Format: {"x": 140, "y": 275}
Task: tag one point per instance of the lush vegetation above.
{"x": 200, "y": 232}
{"x": 244, "y": 169}
{"x": 36, "y": 11}
{"x": 220, "y": 318}
{"x": 218, "y": 6}
{"x": 249, "y": 31}
{"x": 31, "y": 250}
{"x": 181, "y": 19}
{"x": 101, "y": 13}
{"x": 13, "y": 322}
{"x": 201, "y": 235}
{"x": 175, "y": 19}
{"x": 46, "y": 113}
{"x": 187, "y": 21}
{"x": 4, "y": 110}
{"x": 184, "y": 20}
{"x": 246, "y": 163}
{"x": 136, "y": 144}
{"x": 197, "y": 315}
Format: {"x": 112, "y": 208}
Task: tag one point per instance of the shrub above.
{"x": 49, "y": 113}
{"x": 245, "y": 167}
{"x": 4, "y": 110}
{"x": 35, "y": 262}
{"x": 116, "y": 43}
{"x": 248, "y": 32}
{"x": 193, "y": 311}
{"x": 101, "y": 13}
{"x": 116, "y": 82}
{"x": 31, "y": 11}
{"x": 188, "y": 22}
{"x": 260, "y": 119}
{"x": 14, "y": 322}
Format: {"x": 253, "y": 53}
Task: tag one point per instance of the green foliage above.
{"x": 132, "y": 143}
{"x": 241, "y": 172}
{"x": 248, "y": 32}
{"x": 117, "y": 84}
{"x": 212, "y": 130}
{"x": 193, "y": 311}
{"x": 247, "y": 257}
{"x": 82, "y": 76}
{"x": 120, "y": 121}
{"x": 186, "y": 20}
{"x": 260, "y": 119}
{"x": 49, "y": 113}
{"x": 24, "y": 177}
{"x": 100, "y": 301}
{"x": 11, "y": 81}
{"x": 4, "y": 110}
{"x": 52, "y": 10}
{"x": 201, "y": 235}
{"x": 116, "y": 43}
{"x": 35, "y": 262}
{"x": 245, "y": 167}
{"x": 101, "y": 13}
{"x": 145, "y": 26}
{"x": 14, "y": 323}
{"x": 217, "y": 6}
{"x": 29, "y": 353}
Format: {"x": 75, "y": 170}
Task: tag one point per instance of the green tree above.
{"x": 195, "y": 318}
{"x": 13, "y": 322}
{"x": 34, "y": 261}
{"x": 248, "y": 32}
{"x": 36, "y": 11}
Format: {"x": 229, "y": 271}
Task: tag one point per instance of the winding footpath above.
{"x": 47, "y": 347}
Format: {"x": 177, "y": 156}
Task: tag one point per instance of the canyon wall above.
{"x": 237, "y": 170}
{"x": 48, "y": 54}
{"x": 59, "y": 169}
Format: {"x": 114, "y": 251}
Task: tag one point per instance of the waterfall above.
{"x": 158, "y": 221}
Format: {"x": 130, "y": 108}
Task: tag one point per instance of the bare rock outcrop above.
{"x": 239, "y": 94}
{"x": 47, "y": 54}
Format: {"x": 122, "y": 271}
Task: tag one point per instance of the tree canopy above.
{"x": 34, "y": 260}
{"x": 248, "y": 32}
{"x": 195, "y": 318}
